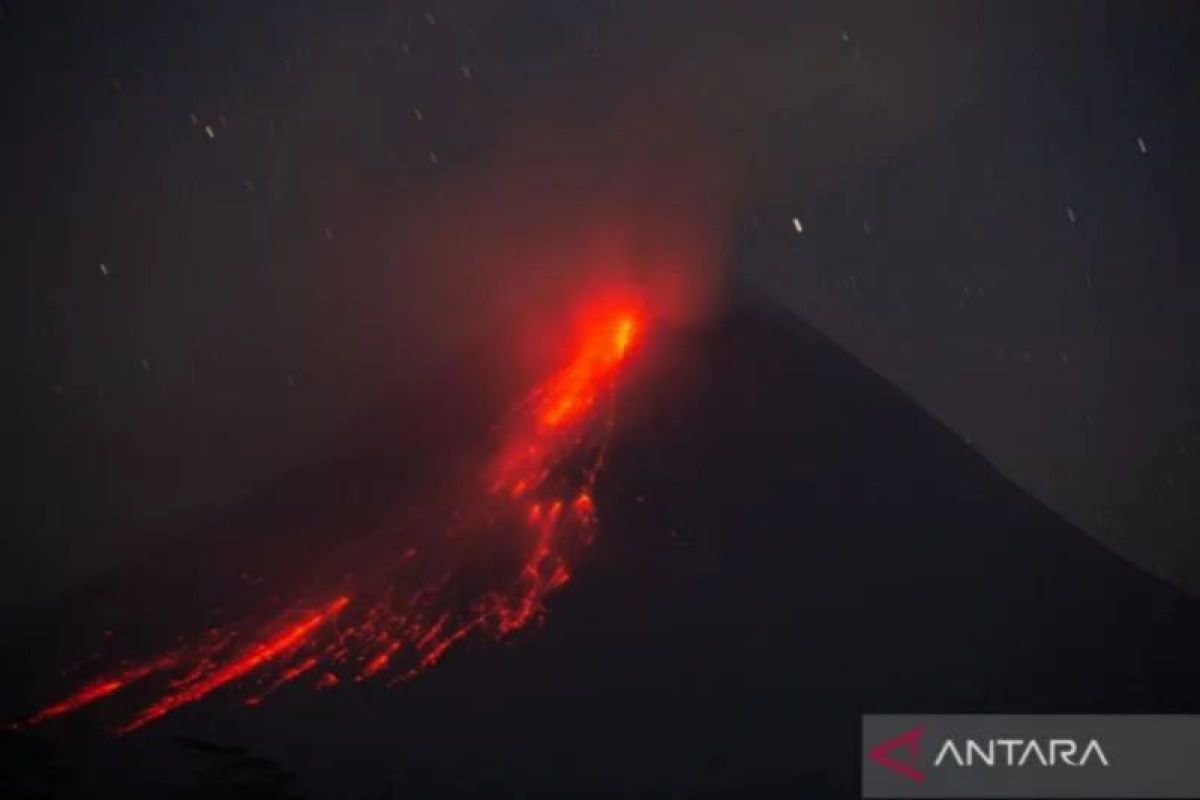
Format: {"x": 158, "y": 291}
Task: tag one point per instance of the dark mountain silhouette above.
{"x": 786, "y": 543}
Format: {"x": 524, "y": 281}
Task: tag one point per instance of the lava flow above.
{"x": 526, "y": 523}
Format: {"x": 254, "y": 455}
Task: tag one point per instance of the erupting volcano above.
{"x": 506, "y": 544}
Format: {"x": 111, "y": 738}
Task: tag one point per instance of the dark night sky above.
{"x": 209, "y": 213}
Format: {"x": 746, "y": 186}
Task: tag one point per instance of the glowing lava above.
{"x": 257, "y": 655}
{"x": 532, "y": 515}
{"x": 574, "y": 391}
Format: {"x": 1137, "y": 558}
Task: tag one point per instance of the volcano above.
{"x": 785, "y": 542}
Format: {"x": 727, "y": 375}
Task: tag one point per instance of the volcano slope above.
{"x": 785, "y": 543}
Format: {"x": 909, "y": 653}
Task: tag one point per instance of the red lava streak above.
{"x": 101, "y": 688}
{"x": 534, "y": 503}
{"x": 255, "y": 657}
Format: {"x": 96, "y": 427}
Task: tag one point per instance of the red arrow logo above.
{"x": 910, "y": 740}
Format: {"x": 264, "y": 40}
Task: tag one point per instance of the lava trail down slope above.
{"x": 788, "y": 542}
{"x": 509, "y": 541}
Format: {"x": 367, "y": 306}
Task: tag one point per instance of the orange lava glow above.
{"x": 573, "y": 391}
{"x": 535, "y": 497}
